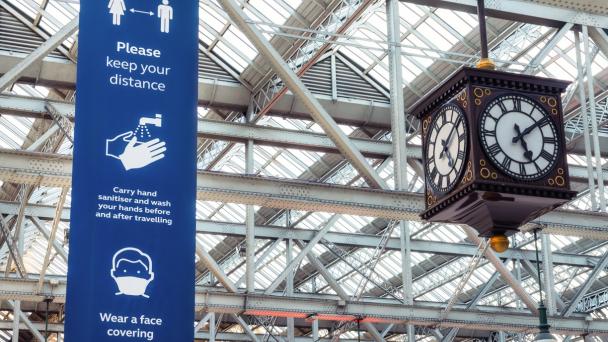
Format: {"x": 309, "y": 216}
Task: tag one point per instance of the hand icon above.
{"x": 137, "y": 156}
{"x": 116, "y": 145}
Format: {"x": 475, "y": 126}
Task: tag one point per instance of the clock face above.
{"x": 446, "y": 146}
{"x": 519, "y": 137}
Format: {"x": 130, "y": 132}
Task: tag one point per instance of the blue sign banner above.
{"x": 132, "y": 239}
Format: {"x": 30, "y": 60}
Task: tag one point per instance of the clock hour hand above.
{"x": 444, "y": 148}
{"x": 527, "y": 153}
{"x": 450, "y": 159}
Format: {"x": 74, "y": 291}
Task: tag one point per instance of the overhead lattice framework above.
{"x": 350, "y": 78}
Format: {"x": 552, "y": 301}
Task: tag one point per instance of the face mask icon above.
{"x": 132, "y": 272}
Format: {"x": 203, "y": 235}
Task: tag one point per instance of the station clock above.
{"x": 493, "y": 150}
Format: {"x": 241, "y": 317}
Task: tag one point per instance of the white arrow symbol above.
{"x": 133, "y": 10}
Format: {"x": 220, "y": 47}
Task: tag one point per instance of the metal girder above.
{"x": 311, "y": 244}
{"x": 599, "y": 269}
{"x": 359, "y": 240}
{"x": 549, "y": 46}
{"x": 504, "y": 272}
{"x": 600, "y": 38}
{"x": 56, "y": 219}
{"x": 61, "y": 73}
{"x": 331, "y": 281}
{"x": 531, "y": 270}
{"x": 550, "y": 12}
{"x": 239, "y": 132}
{"x": 55, "y": 171}
{"x": 202, "y": 335}
{"x": 46, "y": 233}
{"x": 293, "y": 82}
{"x": 38, "y": 54}
{"x": 303, "y": 306}
{"x": 27, "y": 322}
{"x": 221, "y": 130}
{"x": 300, "y": 57}
{"x": 226, "y": 282}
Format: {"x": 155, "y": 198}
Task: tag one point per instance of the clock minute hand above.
{"x": 527, "y": 130}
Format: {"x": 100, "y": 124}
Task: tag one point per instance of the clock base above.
{"x": 494, "y": 209}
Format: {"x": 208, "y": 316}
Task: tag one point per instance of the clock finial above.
{"x": 484, "y": 62}
{"x": 499, "y": 242}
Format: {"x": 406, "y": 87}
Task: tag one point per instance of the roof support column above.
{"x": 398, "y": 136}
{"x": 586, "y": 135}
{"x": 16, "y": 311}
{"x": 596, "y": 139}
{"x": 212, "y": 327}
{"x": 289, "y": 260}
{"x": 296, "y": 85}
{"x": 249, "y": 226}
{"x": 37, "y": 55}
{"x": 548, "y": 274}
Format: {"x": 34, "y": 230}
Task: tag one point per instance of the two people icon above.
{"x": 118, "y": 8}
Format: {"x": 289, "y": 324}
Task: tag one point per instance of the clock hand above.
{"x": 528, "y": 130}
{"x": 447, "y": 141}
{"x": 444, "y": 148}
{"x": 450, "y": 159}
{"x": 527, "y": 153}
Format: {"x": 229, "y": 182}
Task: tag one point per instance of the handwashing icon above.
{"x": 142, "y": 132}
{"x": 141, "y": 148}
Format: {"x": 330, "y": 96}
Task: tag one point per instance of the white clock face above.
{"x": 446, "y": 145}
{"x": 519, "y": 137}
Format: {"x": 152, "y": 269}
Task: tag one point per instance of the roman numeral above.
{"x": 549, "y": 140}
{"x": 543, "y": 122}
{"x": 460, "y": 155}
{"x": 538, "y": 169}
{"x": 458, "y": 120}
{"x": 488, "y": 133}
{"x": 517, "y": 105}
{"x": 433, "y": 173}
{"x": 494, "y": 149}
{"x": 461, "y": 138}
{"x": 506, "y": 163}
{"x": 502, "y": 106}
{"x": 522, "y": 169}
{"x": 546, "y": 155}
{"x": 440, "y": 181}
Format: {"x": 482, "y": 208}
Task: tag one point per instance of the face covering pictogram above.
{"x": 132, "y": 272}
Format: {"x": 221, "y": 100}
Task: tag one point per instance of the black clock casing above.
{"x": 486, "y": 198}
